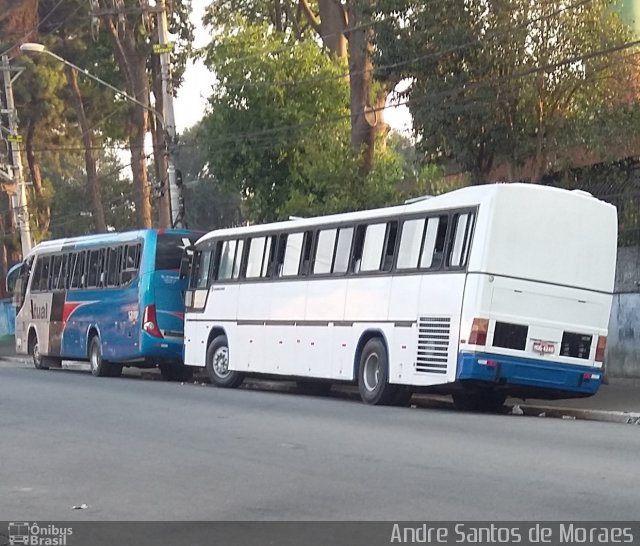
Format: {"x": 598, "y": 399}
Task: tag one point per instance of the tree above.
{"x": 208, "y": 205}
{"x": 72, "y": 208}
{"x": 285, "y": 147}
{"x": 346, "y": 29}
{"x": 510, "y": 83}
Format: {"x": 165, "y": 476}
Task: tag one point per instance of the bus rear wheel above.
{"x": 373, "y": 375}
{"x": 217, "y": 365}
{"x": 100, "y": 367}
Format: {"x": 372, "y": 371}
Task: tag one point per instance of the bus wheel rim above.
{"x": 94, "y": 358}
{"x": 371, "y": 374}
{"x": 221, "y": 362}
{"x": 36, "y": 353}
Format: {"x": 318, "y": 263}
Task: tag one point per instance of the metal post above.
{"x": 20, "y": 200}
{"x": 168, "y": 115}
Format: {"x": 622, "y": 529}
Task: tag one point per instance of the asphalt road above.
{"x": 134, "y": 449}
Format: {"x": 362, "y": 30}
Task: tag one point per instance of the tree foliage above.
{"x": 512, "y": 83}
{"x": 285, "y": 146}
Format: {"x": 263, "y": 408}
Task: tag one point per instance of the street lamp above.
{"x": 31, "y": 47}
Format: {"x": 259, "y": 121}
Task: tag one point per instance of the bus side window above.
{"x": 130, "y": 263}
{"x": 307, "y": 247}
{"x": 325, "y": 247}
{"x": 434, "y": 242}
{"x": 343, "y": 250}
{"x": 45, "y": 274}
{"x": 71, "y": 263}
{"x": 225, "y": 260}
{"x": 268, "y": 260}
{"x": 358, "y": 245}
{"x": 37, "y": 274}
{"x": 373, "y": 246}
{"x": 269, "y": 257}
{"x": 237, "y": 262}
{"x": 93, "y": 273}
{"x": 255, "y": 257}
{"x": 202, "y": 273}
{"x": 278, "y": 265}
{"x": 460, "y": 239}
{"x": 78, "y": 270}
{"x": 390, "y": 246}
{"x": 114, "y": 262}
{"x": 410, "y": 243}
{"x": 56, "y": 271}
{"x": 292, "y": 254}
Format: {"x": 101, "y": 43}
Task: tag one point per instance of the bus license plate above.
{"x": 544, "y": 347}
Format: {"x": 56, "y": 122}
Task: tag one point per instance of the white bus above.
{"x": 482, "y": 293}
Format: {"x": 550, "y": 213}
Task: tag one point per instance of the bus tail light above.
{"x": 479, "y": 330}
{"x": 600, "y": 347}
{"x": 149, "y": 321}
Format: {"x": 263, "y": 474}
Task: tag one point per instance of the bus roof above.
{"x": 465, "y": 197}
{"x": 99, "y": 238}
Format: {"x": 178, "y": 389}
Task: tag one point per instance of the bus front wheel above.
{"x": 100, "y": 367}
{"x": 373, "y": 374}
{"x": 217, "y": 365}
{"x": 42, "y": 362}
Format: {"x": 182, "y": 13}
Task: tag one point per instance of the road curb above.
{"x": 445, "y": 403}
{"x": 608, "y": 416}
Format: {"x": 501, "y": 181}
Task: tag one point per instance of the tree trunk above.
{"x": 345, "y": 32}
{"x": 367, "y": 112}
{"x": 332, "y": 27}
{"x": 132, "y": 62}
{"x": 43, "y": 206}
{"x": 93, "y": 183}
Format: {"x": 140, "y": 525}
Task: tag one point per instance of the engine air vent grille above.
{"x": 433, "y": 344}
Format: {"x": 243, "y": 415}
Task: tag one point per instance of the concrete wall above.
{"x": 623, "y": 344}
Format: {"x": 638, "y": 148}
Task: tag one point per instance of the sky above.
{"x": 191, "y": 101}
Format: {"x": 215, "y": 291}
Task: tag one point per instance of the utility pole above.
{"x": 18, "y": 197}
{"x": 163, "y": 50}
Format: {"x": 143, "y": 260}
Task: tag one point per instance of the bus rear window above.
{"x": 169, "y": 250}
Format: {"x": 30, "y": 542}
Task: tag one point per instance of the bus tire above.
{"x": 99, "y": 367}
{"x": 484, "y": 401}
{"x": 373, "y": 374}
{"x": 176, "y": 372}
{"x": 217, "y": 365}
{"x": 39, "y": 362}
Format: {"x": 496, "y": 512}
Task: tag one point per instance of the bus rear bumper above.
{"x": 542, "y": 378}
{"x": 161, "y": 348}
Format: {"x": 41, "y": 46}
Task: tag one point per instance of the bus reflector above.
{"x": 149, "y": 321}
{"x": 600, "y": 347}
{"x": 479, "y": 330}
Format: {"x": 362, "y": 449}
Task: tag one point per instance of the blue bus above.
{"x": 114, "y": 299}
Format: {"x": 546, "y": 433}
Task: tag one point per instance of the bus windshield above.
{"x": 169, "y": 250}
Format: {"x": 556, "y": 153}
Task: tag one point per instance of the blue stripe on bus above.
{"x": 528, "y": 372}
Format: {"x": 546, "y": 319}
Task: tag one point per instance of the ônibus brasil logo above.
{"x": 33, "y": 534}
